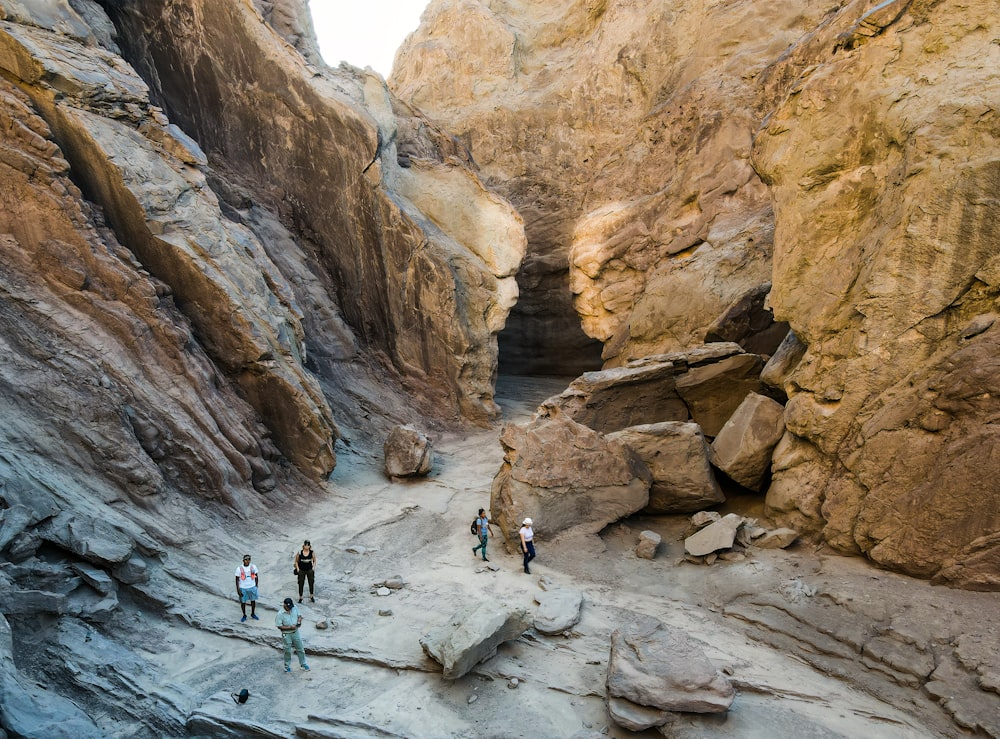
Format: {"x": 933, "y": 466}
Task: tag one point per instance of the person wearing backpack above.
{"x": 482, "y": 526}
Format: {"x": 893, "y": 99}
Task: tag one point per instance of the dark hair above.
{"x": 306, "y": 543}
{"x": 482, "y": 510}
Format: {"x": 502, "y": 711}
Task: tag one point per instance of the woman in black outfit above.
{"x": 305, "y": 568}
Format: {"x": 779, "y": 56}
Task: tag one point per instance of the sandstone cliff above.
{"x": 672, "y": 160}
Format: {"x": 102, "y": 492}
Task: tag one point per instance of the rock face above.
{"x": 647, "y": 149}
{"x": 890, "y": 443}
{"x": 623, "y": 135}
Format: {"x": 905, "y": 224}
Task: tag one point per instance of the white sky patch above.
{"x": 365, "y": 34}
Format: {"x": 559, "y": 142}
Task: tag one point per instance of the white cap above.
{"x": 527, "y": 522}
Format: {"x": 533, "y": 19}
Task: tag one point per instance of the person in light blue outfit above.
{"x": 483, "y": 524}
{"x": 288, "y": 622}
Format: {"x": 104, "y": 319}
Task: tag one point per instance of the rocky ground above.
{"x": 817, "y": 645}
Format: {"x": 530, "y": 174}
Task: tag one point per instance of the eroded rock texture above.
{"x": 217, "y": 258}
{"x": 658, "y": 153}
{"x": 622, "y": 132}
{"x": 885, "y": 265}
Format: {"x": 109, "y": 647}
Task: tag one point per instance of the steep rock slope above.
{"x": 186, "y": 338}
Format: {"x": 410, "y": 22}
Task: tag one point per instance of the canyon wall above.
{"x": 671, "y": 160}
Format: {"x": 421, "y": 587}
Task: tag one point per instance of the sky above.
{"x": 365, "y": 34}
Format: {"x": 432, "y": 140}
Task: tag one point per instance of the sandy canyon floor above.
{"x": 817, "y": 645}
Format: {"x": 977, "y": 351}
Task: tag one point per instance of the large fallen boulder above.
{"x": 705, "y": 385}
{"x": 408, "y": 453}
{"x": 472, "y": 636}
{"x": 678, "y": 459}
{"x": 654, "y": 669}
{"x": 743, "y": 448}
{"x": 566, "y": 477}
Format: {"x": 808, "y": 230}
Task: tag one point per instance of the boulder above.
{"x": 777, "y": 539}
{"x": 678, "y": 459}
{"x": 714, "y": 377}
{"x": 659, "y": 668}
{"x": 784, "y": 360}
{"x": 567, "y": 477}
{"x": 743, "y": 447}
{"x": 472, "y": 636}
{"x": 713, "y": 392}
{"x": 715, "y": 536}
{"x": 558, "y": 610}
{"x": 408, "y": 453}
{"x": 648, "y": 542}
{"x": 704, "y": 518}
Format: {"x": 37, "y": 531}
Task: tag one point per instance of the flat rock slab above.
{"x": 558, "y": 610}
{"x": 659, "y": 668}
{"x": 472, "y": 635}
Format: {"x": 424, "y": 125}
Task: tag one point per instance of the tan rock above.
{"x": 777, "y": 539}
{"x": 623, "y": 137}
{"x": 408, "y": 452}
{"x": 894, "y": 396}
{"x": 678, "y": 459}
{"x": 743, "y": 447}
{"x": 566, "y": 477}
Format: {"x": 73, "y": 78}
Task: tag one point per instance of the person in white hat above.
{"x": 527, "y": 543}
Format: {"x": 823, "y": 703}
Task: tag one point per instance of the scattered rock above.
{"x": 383, "y": 591}
{"x": 715, "y": 536}
{"x": 384, "y": 611}
{"x": 513, "y": 683}
{"x": 704, "y": 518}
{"x": 777, "y": 539}
{"x": 648, "y": 542}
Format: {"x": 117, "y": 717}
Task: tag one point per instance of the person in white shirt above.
{"x": 527, "y": 535}
{"x": 288, "y": 622}
{"x": 247, "y": 582}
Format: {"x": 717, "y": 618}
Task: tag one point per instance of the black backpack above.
{"x": 475, "y": 526}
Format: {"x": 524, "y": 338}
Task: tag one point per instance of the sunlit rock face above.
{"x": 658, "y": 155}
{"x": 622, "y": 132}
{"x": 884, "y": 169}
